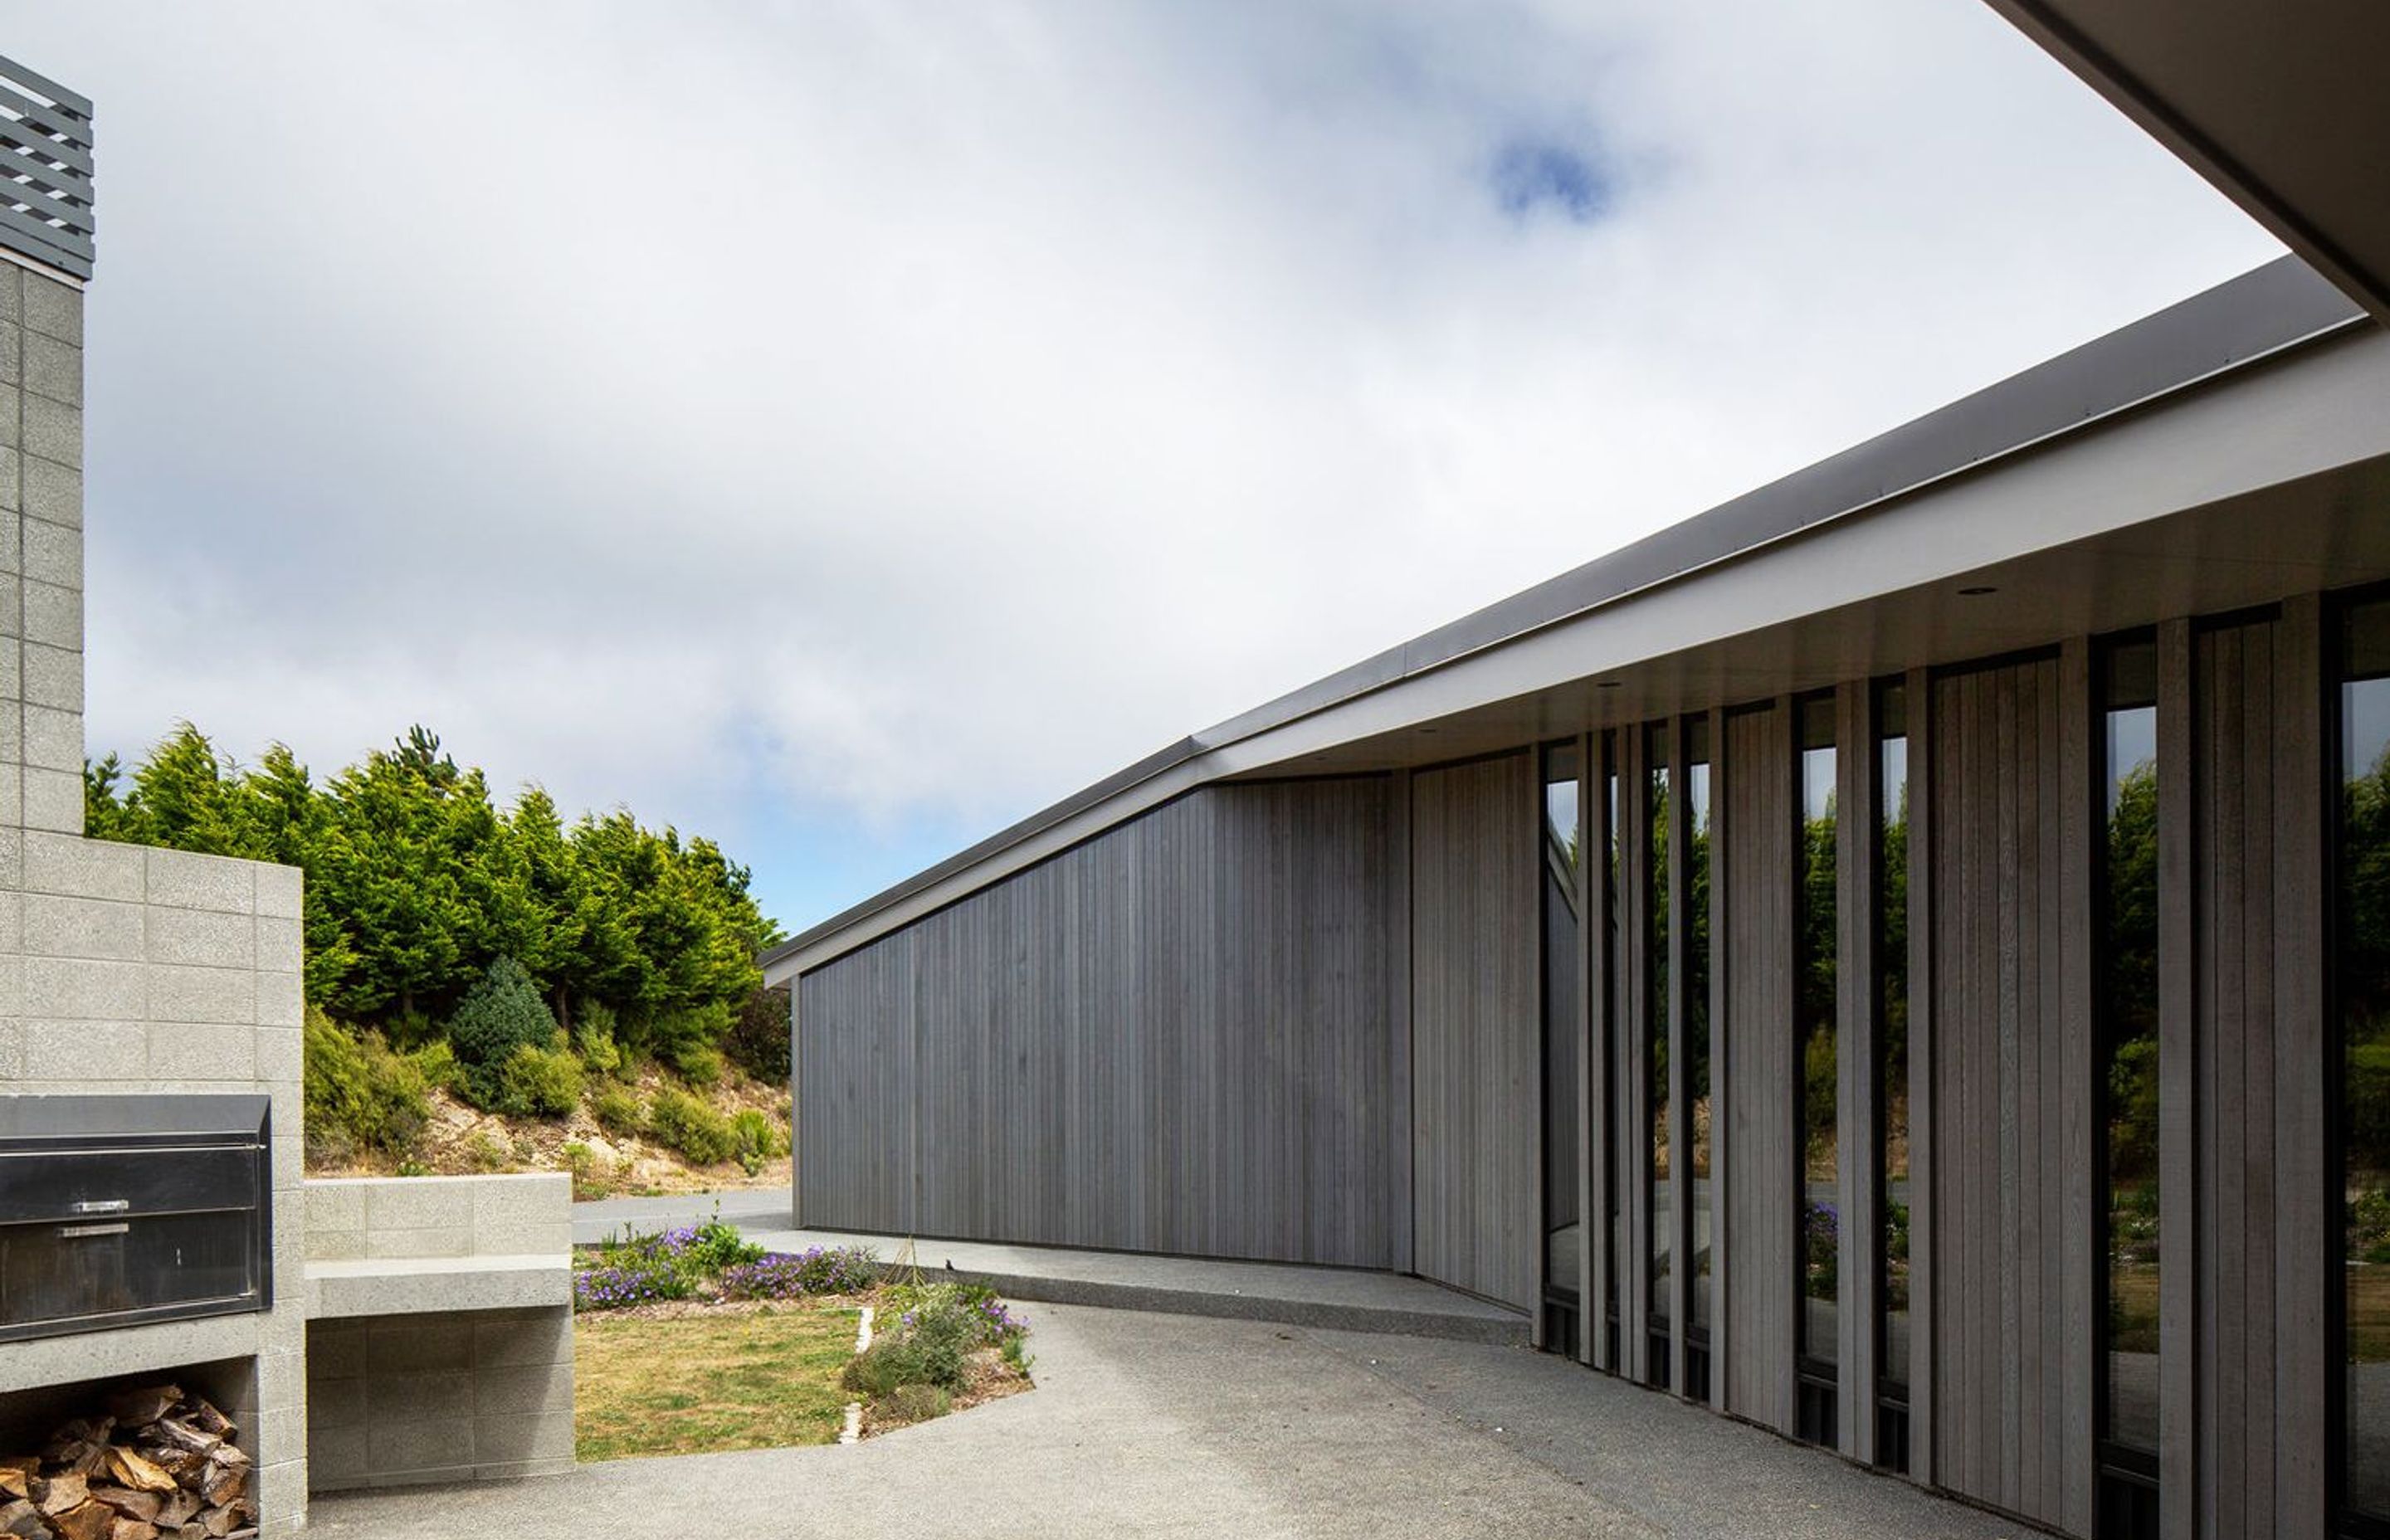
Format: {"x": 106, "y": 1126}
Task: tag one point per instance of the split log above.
{"x": 136, "y": 1408}
{"x": 179, "y": 1508}
{"x": 202, "y": 1414}
{"x": 63, "y": 1492}
{"x": 136, "y": 1505}
{"x": 184, "y": 1465}
{"x": 23, "y": 1520}
{"x": 77, "y": 1456}
{"x": 80, "y": 1430}
{"x": 15, "y": 1483}
{"x": 132, "y": 1470}
{"x": 182, "y": 1435}
{"x": 133, "y": 1529}
{"x": 224, "y": 1485}
{"x": 91, "y": 1521}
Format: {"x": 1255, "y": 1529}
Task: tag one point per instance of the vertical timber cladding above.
{"x": 2253, "y": 838}
{"x": 2012, "y": 1318}
{"x": 855, "y": 1130}
{"x": 1475, "y": 852}
{"x": 1757, "y": 780}
{"x": 1176, "y": 1038}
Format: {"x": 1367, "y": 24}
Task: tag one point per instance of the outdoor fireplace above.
{"x": 125, "y": 1210}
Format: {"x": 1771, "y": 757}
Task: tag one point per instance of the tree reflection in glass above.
{"x": 1815, "y": 1018}
{"x": 1892, "y": 950}
{"x": 2128, "y": 1033}
{"x": 2364, "y": 998}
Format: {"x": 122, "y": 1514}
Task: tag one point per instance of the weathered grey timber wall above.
{"x": 1476, "y": 863}
{"x": 2253, "y": 1451}
{"x": 1303, "y": 1022}
{"x": 2012, "y": 1117}
{"x": 1758, "y": 817}
{"x": 1176, "y": 1037}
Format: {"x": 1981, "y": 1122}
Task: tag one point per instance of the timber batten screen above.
{"x": 1451, "y": 1022}
{"x": 1476, "y": 869}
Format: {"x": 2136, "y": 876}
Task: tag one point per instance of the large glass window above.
{"x": 1697, "y": 1028}
{"x": 1563, "y": 996}
{"x": 1817, "y": 1065}
{"x": 1655, "y": 1076}
{"x": 1892, "y": 1039}
{"x": 1613, "y": 1098}
{"x": 2127, "y": 973}
{"x": 2363, "y": 1000}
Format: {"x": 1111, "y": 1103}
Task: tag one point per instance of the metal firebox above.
{"x": 119, "y": 1211}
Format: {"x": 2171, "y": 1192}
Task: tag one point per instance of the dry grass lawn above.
{"x": 696, "y": 1384}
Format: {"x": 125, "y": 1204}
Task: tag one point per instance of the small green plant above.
{"x": 913, "y": 1358}
{"x": 436, "y": 1062}
{"x": 929, "y": 1332}
{"x": 358, "y": 1093}
{"x": 485, "y": 1154}
{"x": 540, "y": 1082}
{"x": 912, "y": 1404}
{"x": 413, "y": 1167}
{"x": 698, "y": 1063}
{"x": 596, "y": 1048}
{"x": 618, "y": 1113}
{"x": 681, "y": 1122}
{"x": 588, "y": 1181}
{"x": 713, "y": 1246}
{"x": 504, "y": 1012}
{"x": 754, "y": 1140}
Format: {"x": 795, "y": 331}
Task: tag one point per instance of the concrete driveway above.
{"x": 1167, "y": 1425}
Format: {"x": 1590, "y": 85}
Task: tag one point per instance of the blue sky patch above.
{"x": 1531, "y": 176}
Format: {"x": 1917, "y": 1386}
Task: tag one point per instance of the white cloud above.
{"x": 916, "y": 411}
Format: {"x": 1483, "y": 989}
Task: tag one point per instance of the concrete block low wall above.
{"x": 358, "y": 1218}
{"x": 477, "y": 1396}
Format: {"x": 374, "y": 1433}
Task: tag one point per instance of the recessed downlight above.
{"x": 1605, "y": 683}
{"x": 1977, "y": 591}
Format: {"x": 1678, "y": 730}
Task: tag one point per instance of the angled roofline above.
{"x": 2281, "y": 305}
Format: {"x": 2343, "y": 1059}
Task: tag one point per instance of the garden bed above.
{"x": 694, "y": 1340}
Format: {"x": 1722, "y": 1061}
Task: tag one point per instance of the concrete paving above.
{"x": 764, "y": 1208}
{"x": 1164, "y": 1425}
{"x": 1348, "y": 1299}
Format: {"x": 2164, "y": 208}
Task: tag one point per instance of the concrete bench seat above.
{"x": 439, "y": 1329}
{"x": 413, "y": 1286}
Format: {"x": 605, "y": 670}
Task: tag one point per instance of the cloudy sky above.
{"x": 842, "y": 427}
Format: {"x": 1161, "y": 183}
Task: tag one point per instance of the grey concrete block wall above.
{"x": 438, "y": 1245}
{"x": 41, "y": 552}
{"x": 418, "y": 1399}
{"x": 352, "y": 1218}
{"x": 131, "y": 969}
{"x": 125, "y": 969}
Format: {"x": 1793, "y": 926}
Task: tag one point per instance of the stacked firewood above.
{"x": 159, "y": 1466}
